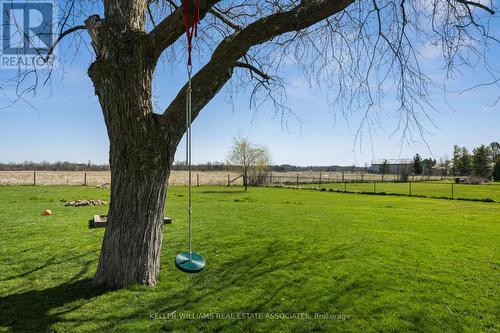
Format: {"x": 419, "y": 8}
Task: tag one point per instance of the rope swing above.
{"x": 190, "y": 262}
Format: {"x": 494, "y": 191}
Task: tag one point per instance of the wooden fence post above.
{"x": 198, "y": 179}
{"x": 343, "y": 180}
{"x": 409, "y": 193}
{"x": 34, "y": 178}
{"x": 228, "y": 180}
{"x": 452, "y": 190}
{"x": 85, "y": 179}
{"x": 319, "y": 179}
{"x": 375, "y": 186}
{"x": 298, "y": 180}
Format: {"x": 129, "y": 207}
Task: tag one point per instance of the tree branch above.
{"x": 253, "y": 69}
{"x": 58, "y": 40}
{"x": 477, "y": 4}
{"x": 64, "y": 34}
{"x": 224, "y": 19}
{"x": 212, "y": 77}
{"x": 172, "y": 27}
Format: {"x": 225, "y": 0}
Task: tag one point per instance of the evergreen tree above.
{"x": 496, "y": 171}
{"x": 482, "y": 161}
{"x": 456, "y": 161}
{"x": 417, "y": 165}
{"x": 495, "y": 151}
{"x": 428, "y": 164}
{"x": 462, "y": 161}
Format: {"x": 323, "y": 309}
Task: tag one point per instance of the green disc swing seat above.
{"x": 189, "y": 263}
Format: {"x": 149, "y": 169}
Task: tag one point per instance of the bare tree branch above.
{"x": 477, "y": 4}
{"x": 60, "y": 37}
{"x": 172, "y": 27}
{"x": 210, "y": 79}
{"x": 224, "y": 19}
{"x": 252, "y": 69}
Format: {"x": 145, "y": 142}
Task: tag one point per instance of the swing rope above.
{"x": 191, "y": 26}
{"x": 188, "y": 160}
{"x": 190, "y": 262}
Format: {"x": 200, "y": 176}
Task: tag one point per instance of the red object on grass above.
{"x": 47, "y": 212}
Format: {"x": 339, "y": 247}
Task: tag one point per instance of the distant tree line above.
{"x": 208, "y": 166}
{"x": 221, "y": 166}
{"x": 178, "y": 166}
{"x": 53, "y": 166}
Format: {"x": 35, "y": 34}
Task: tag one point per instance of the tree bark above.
{"x": 132, "y": 241}
{"x": 141, "y": 155}
{"x": 245, "y": 179}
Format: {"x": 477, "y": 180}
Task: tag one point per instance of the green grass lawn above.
{"x": 429, "y": 188}
{"x": 368, "y": 263}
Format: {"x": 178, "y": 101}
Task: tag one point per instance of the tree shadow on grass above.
{"x": 35, "y": 310}
{"x": 252, "y": 270}
{"x": 53, "y": 260}
{"x": 238, "y": 191}
{"x": 30, "y": 311}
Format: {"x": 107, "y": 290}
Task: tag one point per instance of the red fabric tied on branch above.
{"x": 191, "y": 20}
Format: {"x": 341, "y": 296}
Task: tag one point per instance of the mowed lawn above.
{"x": 304, "y": 260}
{"x": 428, "y": 188}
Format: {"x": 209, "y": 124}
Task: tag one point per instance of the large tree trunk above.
{"x": 133, "y": 237}
{"x": 140, "y": 159}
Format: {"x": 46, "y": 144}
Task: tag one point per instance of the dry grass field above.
{"x": 97, "y": 178}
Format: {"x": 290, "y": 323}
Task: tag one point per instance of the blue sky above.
{"x": 66, "y": 121}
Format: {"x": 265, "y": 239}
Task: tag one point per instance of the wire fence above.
{"x": 99, "y": 178}
{"x": 429, "y": 186}
{"x": 342, "y": 177}
{"x": 103, "y": 178}
{"x": 433, "y": 189}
